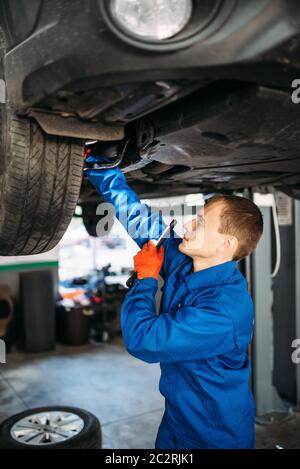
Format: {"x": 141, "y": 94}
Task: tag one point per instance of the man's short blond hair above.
{"x": 241, "y": 218}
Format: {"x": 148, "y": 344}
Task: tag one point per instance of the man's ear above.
{"x": 229, "y": 245}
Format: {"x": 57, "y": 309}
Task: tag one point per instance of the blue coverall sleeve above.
{"x": 193, "y": 333}
{"x": 141, "y": 223}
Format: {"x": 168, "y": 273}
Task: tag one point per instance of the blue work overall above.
{"x": 200, "y": 337}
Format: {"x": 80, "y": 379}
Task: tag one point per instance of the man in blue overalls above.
{"x": 202, "y": 333}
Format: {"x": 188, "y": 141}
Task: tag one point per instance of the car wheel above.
{"x": 51, "y": 428}
{"x": 40, "y": 179}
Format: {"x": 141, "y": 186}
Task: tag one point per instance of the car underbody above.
{"x": 224, "y": 137}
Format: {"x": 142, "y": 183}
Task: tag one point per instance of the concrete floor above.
{"x": 104, "y": 379}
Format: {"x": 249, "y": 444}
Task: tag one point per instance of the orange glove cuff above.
{"x": 148, "y": 261}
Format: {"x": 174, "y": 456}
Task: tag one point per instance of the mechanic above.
{"x": 203, "y": 330}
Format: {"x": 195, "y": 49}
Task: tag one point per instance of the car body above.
{"x": 212, "y": 108}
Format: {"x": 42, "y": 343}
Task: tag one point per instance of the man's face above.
{"x": 202, "y": 238}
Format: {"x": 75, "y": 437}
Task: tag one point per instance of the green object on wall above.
{"x": 29, "y": 265}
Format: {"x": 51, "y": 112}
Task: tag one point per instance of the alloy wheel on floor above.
{"x": 51, "y": 427}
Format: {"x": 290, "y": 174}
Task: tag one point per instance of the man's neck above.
{"x": 202, "y": 263}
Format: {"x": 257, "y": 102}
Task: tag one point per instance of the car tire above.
{"x": 40, "y": 180}
{"x": 90, "y": 219}
{"x": 87, "y": 435}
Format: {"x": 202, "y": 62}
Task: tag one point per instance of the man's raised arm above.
{"x": 140, "y": 222}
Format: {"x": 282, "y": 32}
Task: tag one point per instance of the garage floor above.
{"x": 104, "y": 379}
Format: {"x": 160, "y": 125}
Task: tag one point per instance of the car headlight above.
{"x": 165, "y": 25}
{"x": 151, "y": 19}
